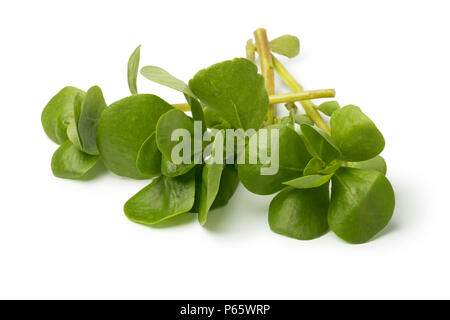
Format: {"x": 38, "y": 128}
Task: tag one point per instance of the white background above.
{"x": 70, "y": 239}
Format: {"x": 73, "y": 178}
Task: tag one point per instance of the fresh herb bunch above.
{"x": 132, "y": 137}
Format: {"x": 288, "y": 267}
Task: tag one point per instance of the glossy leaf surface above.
{"x": 362, "y": 204}
{"x": 162, "y": 199}
{"x": 319, "y": 144}
{"x": 308, "y": 182}
{"x": 123, "y": 128}
{"x": 378, "y": 163}
{"x": 161, "y": 76}
{"x": 148, "y": 160}
{"x": 300, "y": 214}
{"x": 133, "y": 68}
{"x": 329, "y": 107}
{"x": 355, "y": 134}
{"x": 293, "y": 157}
{"x": 58, "y": 114}
{"x": 234, "y": 90}
{"x": 70, "y": 163}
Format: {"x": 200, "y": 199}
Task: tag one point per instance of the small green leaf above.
{"x": 178, "y": 120}
{"x": 355, "y": 134}
{"x": 212, "y": 173}
{"x": 58, "y": 114}
{"x": 133, "y": 67}
{"x": 72, "y": 130}
{"x": 93, "y": 107}
{"x": 331, "y": 168}
{"x": 123, "y": 128}
{"x": 228, "y": 185}
{"x": 161, "y": 76}
{"x": 292, "y": 159}
{"x": 169, "y": 169}
{"x": 308, "y": 182}
{"x": 376, "y": 163}
{"x": 329, "y": 107}
{"x": 320, "y": 144}
{"x": 70, "y": 163}
{"x": 303, "y": 118}
{"x": 196, "y": 110}
{"x": 300, "y": 214}
{"x": 234, "y": 90}
{"x": 362, "y": 203}
{"x": 162, "y": 199}
{"x": 286, "y": 45}
{"x": 148, "y": 160}
{"x": 313, "y": 166}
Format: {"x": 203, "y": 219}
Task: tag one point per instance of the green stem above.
{"x": 265, "y": 60}
{"x": 310, "y": 110}
{"x": 282, "y": 98}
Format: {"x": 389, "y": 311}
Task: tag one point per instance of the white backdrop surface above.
{"x": 70, "y": 239}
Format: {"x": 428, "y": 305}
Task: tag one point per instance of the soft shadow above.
{"x": 390, "y": 228}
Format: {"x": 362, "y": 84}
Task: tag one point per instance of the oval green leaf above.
{"x": 170, "y": 169}
{"x": 70, "y": 163}
{"x": 362, "y": 204}
{"x": 234, "y": 90}
{"x": 133, "y": 67}
{"x": 210, "y": 187}
{"x": 378, "y": 163}
{"x": 286, "y": 45}
{"x": 58, "y": 114}
{"x": 309, "y": 182}
{"x": 329, "y": 107}
{"x": 293, "y": 157}
{"x": 123, "y": 128}
{"x": 355, "y": 134}
{"x": 228, "y": 185}
{"x": 313, "y": 166}
{"x": 162, "y": 199}
{"x": 161, "y": 76}
{"x": 93, "y": 106}
{"x": 148, "y": 160}
{"x": 300, "y": 214}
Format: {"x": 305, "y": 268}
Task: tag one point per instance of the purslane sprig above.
{"x": 329, "y": 176}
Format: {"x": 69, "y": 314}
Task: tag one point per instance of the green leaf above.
{"x": 212, "y": 173}
{"x": 313, "y": 166}
{"x": 73, "y": 133}
{"x": 161, "y": 76}
{"x": 162, "y": 199}
{"x": 362, "y": 203}
{"x": 320, "y": 144}
{"x": 148, "y": 160}
{"x": 93, "y": 107}
{"x": 300, "y": 214}
{"x": 303, "y": 118}
{"x": 196, "y": 110}
{"x": 70, "y": 163}
{"x": 286, "y": 45}
{"x": 214, "y": 120}
{"x": 58, "y": 114}
{"x": 133, "y": 67}
{"x": 178, "y": 120}
{"x": 376, "y": 163}
{"x": 309, "y": 182}
{"x": 293, "y": 157}
{"x": 123, "y": 128}
{"x": 331, "y": 168}
{"x": 234, "y": 90}
{"x": 355, "y": 134}
{"x": 228, "y": 185}
{"x": 329, "y": 107}
{"x": 169, "y": 169}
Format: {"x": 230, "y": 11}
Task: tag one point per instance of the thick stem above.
{"x": 281, "y": 98}
{"x": 310, "y": 110}
{"x": 265, "y": 60}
